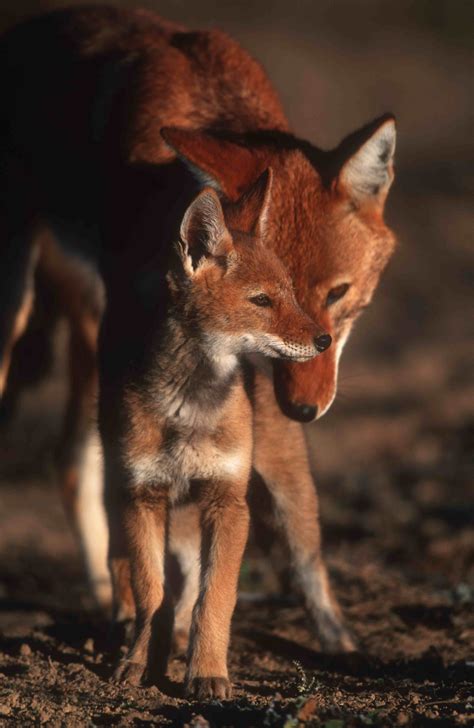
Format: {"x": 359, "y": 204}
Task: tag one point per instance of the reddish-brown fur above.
{"x": 184, "y": 429}
{"x": 82, "y": 140}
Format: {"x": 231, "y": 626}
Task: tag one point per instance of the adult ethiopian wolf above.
{"x": 111, "y": 122}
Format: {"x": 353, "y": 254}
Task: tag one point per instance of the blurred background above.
{"x": 393, "y": 457}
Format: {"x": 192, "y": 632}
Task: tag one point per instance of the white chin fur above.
{"x": 223, "y": 348}
{"x": 276, "y": 348}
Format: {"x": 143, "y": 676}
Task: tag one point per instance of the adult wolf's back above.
{"x": 86, "y": 93}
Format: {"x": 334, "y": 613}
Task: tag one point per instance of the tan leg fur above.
{"x": 280, "y": 457}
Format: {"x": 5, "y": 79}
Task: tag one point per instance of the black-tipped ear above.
{"x": 249, "y": 214}
{"x": 365, "y": 161}
{"x": 203, "y": 230}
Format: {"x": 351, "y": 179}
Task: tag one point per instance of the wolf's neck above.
{"x": 192, "y": 373}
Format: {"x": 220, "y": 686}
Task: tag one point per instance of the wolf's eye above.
{"x": 261, "y": 300}
{"x": 337, "y": 293}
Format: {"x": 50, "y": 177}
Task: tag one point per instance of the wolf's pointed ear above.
{"x": 219, "y": 163}
{"x": 203, "y": 231}
{"x": 250, "y": 213}
{"x": 365, "y": 163}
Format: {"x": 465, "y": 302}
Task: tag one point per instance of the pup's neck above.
{"x": 193, "y": 371}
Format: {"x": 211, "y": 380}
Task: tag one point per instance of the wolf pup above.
{"x": 186, "y": 430}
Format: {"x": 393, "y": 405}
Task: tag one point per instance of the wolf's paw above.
{"x": 334, "y": 637}
{"x": 346, "y": 643}
{"x": 209, "y": 688}
{"x": 129, "y": 672}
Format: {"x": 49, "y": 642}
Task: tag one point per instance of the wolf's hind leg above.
{"x": 80, "y": 460}
{"x": 84, "y": 503}
{"x": 185, "y": 545}
{"x": 18, "y": 258}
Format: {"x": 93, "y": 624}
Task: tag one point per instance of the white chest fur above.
{"x": 180, "y": 461}
{"x": 205, "y": 427}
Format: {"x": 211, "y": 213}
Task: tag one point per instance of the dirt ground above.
{"x": 392, "y": 460}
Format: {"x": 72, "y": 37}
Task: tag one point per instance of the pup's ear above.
{"x": 203, "y": 232}
{"x": 250, "y": 213}
{"x": 224, "y": 165}
{"x": 365, "y": 162}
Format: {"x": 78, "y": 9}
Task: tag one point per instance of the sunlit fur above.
{"x": 123, "y": 92}
{"x": 186, "y": 429}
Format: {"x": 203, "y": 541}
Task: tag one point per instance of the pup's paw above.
{"x": 209, "y": 688}
{"x": 129, "y": 672}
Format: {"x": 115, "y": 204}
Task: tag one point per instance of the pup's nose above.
{"x": 301, "y": 412}
{"x": 322, "y": 342}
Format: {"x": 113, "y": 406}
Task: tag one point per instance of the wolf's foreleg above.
{"x": 280, "y": 458}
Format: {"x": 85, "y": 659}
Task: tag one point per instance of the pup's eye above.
{"x": 337, "y": 293}
{"x": 261, "y": 300}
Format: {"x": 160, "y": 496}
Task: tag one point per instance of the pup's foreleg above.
{"x": 225, "y": 521}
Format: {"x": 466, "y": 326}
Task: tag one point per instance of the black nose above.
{"x": 322, "y": 342}
{"x": 300, "y": 412}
